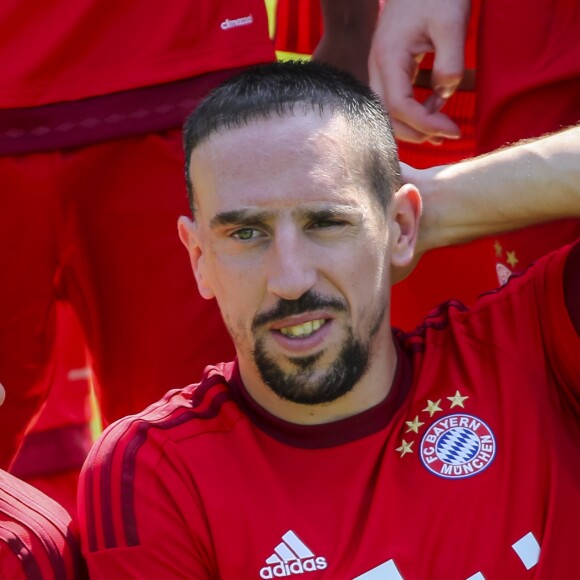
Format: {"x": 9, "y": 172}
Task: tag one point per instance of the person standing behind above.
{"x": 92, "y": 98}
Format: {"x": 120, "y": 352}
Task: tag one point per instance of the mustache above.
{"x": 308, "y": 302}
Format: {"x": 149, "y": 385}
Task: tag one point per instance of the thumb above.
{"x": 448, "y": 68}
{"x": 449, "y": 61}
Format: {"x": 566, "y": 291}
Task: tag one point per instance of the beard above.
{"x": 309, "y": 384}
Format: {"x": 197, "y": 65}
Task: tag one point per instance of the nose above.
{"x": 291, "y": 271}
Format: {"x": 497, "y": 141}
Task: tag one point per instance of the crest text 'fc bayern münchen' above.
{"x": 457, "y": 446}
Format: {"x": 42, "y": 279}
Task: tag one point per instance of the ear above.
{"x": 405, "y": 212}
{"x": 189, "y": 236}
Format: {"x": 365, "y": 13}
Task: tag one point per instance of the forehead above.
{"x": 278, "y": 161}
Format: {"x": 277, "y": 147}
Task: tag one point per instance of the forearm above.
{"x": 527, "y": 183}
{"x": 348, "y": 31}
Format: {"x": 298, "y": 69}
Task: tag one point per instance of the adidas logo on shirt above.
{"x": 245, "y": 21}
{"x": 291, "y": 556}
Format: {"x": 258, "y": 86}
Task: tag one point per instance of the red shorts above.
{"x": 96, "y": 226}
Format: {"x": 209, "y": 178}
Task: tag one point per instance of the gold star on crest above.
{"x": 432, "y": 407}
{"x": 457, "y": 400}
{"x": 405, "y": 447}
{"x": 498, "y": 249}
{"x": 511, "y": 259}
{"x": 414, "y": 425}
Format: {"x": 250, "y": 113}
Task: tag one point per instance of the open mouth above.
{"x": 303, "y": 330}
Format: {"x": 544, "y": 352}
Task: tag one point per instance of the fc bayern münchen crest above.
{"x": 457, "y": 446}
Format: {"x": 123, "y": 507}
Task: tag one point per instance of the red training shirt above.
{"x": 468, "y": 469}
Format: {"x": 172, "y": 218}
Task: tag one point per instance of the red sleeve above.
{"x": 531, "y": 320}
{"x": 558, "y": 297}
{"x": 37, "y": 536}
{"x": 138, "y": 513}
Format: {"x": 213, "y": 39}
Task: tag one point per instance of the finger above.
{"x": 412, "y": 121}
{"x": 449, "y": 61}
{"x": 404, "y": 132}
{"x": 422, "y": 119}
{"x": 391, "y": 78}
{"x": 394, "y": 86}
{"x": 434, "y": 103}
{"x": 391, "y": 74}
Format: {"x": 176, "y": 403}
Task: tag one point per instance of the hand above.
{"x": 406, "y": 30}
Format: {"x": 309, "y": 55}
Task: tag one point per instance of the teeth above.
{"x": 302, "y": 330}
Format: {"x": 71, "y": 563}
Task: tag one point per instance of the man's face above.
{"x": 294, "y": 247}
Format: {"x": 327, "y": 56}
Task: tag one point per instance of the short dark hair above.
{"x": 277, "y": 88}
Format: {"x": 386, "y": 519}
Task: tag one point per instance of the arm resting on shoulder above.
{"x": 523, "y": 184}
{"x": 527, "y": 183}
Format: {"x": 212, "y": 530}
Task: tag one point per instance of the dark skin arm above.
{"x": 348, "y": 32}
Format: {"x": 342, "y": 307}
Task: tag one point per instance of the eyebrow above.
{"x": 327, "y": 212}
{"x": 250, "y": 217}
{"x": 240, "y": 217}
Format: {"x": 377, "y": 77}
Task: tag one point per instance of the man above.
{"x": 331, "y": 447}
{"x": 90, "y": 154}
{"x": 37, "y": 536}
